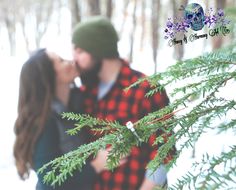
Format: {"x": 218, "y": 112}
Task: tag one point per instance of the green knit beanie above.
{"x": 97, "y": 36}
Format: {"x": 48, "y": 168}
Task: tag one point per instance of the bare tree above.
{"x": 33, "y": 15}
{"x": 109, "y": 8}
{"x": 75, "y": 12}
{"x": 22, "y": 20}
{"x": 43, "y": 10}
{"x": 156, "y": 7}
{"x": 132, "y": 34}
{"x": 217, "y": 42}
{"x": 94, "y": 7}
{"x": 125, "y": 14}
{"x": 143, "y": 23}
{"x": 8, "y": 17}
{"x": 58, "y": 5}
{"x": 11, "y": 28}
{"x": 178, "y": 49}
{"x": 205, "y": 28}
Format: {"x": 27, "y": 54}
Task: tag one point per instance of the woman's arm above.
{"x": 46, "y": 149}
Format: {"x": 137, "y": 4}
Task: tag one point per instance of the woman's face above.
{"x": 65, "y": 70}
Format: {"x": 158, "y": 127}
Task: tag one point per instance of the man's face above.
{"x": 87, "y": 66}
{"x": 83, "y": 59}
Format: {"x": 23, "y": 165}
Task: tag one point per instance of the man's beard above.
{"x": 90, "y": 76}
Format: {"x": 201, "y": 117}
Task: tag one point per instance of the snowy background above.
{"x": 9, "y": 80}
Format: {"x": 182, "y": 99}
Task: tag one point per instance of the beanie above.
{"x": 97, "y": 36}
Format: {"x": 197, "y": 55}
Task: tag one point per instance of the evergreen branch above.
{"x": 208, "y": 177}
{"x": 95, "y": 124}
{"x": 212, "y": 71}
{"x": 73, "y": 161}
{"x": 226, "y": 126}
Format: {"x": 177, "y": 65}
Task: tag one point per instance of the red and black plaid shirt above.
{"x": 125, "y": 106}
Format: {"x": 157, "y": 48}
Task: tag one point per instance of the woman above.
{"x": 45, "y": 88}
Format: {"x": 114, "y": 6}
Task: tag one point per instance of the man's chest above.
{"x": 117, "y": 105}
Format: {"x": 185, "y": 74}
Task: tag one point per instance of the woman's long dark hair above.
{"x": 37, "y": 89}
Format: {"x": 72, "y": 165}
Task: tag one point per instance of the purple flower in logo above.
{"x": 169, "y": 24}
{"x": 221, "y": 12}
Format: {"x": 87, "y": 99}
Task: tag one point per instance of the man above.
{"x": 104, "y": 76}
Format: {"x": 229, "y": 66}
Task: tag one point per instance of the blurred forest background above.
{"x": 26, "y": 25}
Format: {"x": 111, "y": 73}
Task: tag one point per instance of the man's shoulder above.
{"x": 130, "y": 75}
{"x": 133, "y": 72}
{"x": 138, "y": 75}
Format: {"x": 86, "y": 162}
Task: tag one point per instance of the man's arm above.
{"x": 157, "y": 178}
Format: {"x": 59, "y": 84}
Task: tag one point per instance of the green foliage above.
{"x": 208, "y": 176}
{"x": 200, "y": 77}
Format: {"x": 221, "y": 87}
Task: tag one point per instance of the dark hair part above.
{"x": 37, "y": 89}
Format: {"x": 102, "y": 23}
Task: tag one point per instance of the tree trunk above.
{"x": 125, "y": 10}
{"x": 109, "y": 8}
{"x": 94, "y": 7}
{"x": 218, "y": 41}
{"x": 75, "y": 12}
{"x": 11, "y": 28}
{"x": 132, "y": 34}
{"x": 156, "y": 7}
{"x": 143, "y": 24}
{"x": 205, "y": 42}
{"x": 58, "y": 10}
{"x": 26, "y": 38}
{"x": 42, "y": 19}
{"x": 178, "y": 49}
